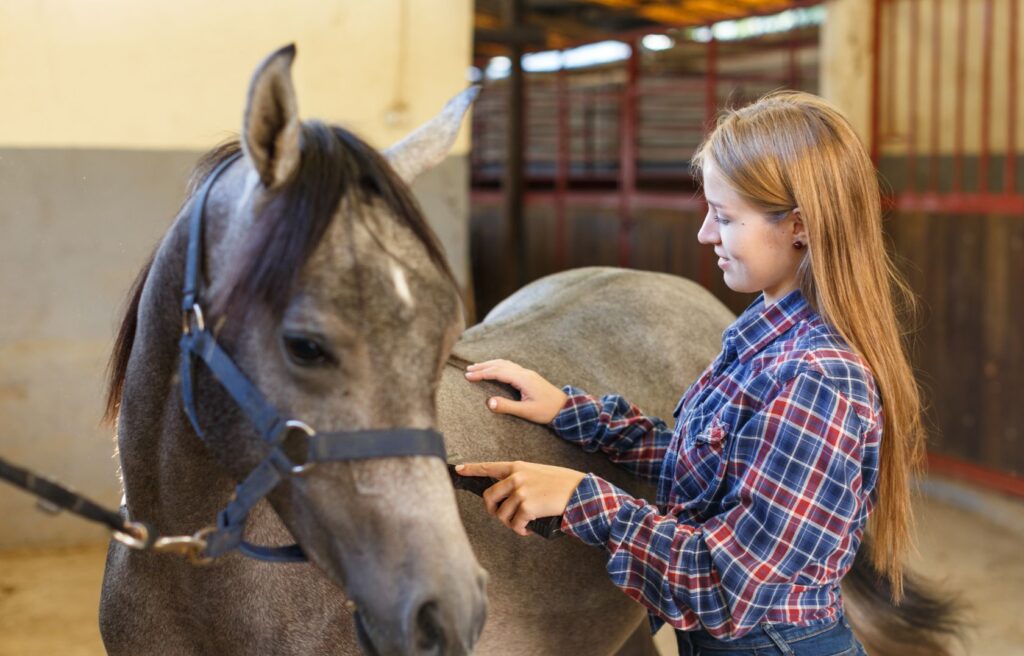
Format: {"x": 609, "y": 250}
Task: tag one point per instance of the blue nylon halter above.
{"x": 198, "y": 342}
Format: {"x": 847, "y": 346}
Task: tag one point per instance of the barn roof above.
{"x": 548, "y": 24}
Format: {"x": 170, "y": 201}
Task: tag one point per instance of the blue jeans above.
{"x": 832, "y": 639}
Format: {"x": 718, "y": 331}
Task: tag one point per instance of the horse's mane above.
{"x": 288, "y": 225}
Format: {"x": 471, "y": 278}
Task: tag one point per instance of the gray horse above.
{"x": 331, "y": 293}
{"x": 649, "y": 336}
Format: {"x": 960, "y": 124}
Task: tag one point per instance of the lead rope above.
{"x": 54, "y": 498}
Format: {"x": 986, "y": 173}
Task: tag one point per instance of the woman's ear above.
{"x": 799, "y": 229}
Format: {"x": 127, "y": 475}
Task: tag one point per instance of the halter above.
{"x": 226, "y": 536}
{"x": 198, "y": 342}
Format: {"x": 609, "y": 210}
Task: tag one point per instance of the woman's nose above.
{"x": 707, "y": 233}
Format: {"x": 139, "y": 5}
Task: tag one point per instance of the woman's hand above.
{"x": 525, "y": 490}
{"x": 540, "y": 401}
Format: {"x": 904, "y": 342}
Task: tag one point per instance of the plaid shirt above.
{"x": 764, "y": 483}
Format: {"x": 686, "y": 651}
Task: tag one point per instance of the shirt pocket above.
{"x": 702, "y": 462}
{"x": 712, "y": 436}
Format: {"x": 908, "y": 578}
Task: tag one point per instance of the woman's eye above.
{"x": 305, "y": 351}
{"x": 721, "y": 219}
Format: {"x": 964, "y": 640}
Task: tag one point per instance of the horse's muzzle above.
{"x": 431, "y": 626}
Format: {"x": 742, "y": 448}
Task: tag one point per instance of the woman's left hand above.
{"x": 525, "y": 490}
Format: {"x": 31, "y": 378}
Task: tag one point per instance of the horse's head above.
{"x": 332, "y": 294}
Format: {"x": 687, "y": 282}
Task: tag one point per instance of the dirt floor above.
{"x": 972, "y": 541}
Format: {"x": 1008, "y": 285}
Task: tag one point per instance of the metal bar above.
{"x": 961, "y": 203}
{"x": 989, "y": 478}
{"x": 588, "y": 132}
{"x": 794, "y": 62}
{"x": 607, "y": 199}
{"x": 890, "y": 69}
{"x": 1010, "y": 167}
{"x": 935, "y": 113}
{"x": 627, "y": 152}
{"x": 515, "y": 243}
{"x": 711, "y": 107}
{"x": 609, "y": 180}
{"x": 986, "y": 96}
{"x": 562, "y": 167}
{"x": 876, "y": 86}
{"x": 711, "y": 84}
{"x": 969, "y": 203}
{"x": 913, "y": 62}
{"x": 961, "y": 86}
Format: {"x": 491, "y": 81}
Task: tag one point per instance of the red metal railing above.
{"x": 621, "y": 137}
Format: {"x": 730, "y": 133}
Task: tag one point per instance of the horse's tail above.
{"x": 924, "y": 623}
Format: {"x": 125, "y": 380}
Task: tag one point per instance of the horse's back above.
{"x": 643, "y": 334}
{"x": 646, "y": 335}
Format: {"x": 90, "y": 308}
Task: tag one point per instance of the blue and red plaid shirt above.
{"x": 764, "y": 483}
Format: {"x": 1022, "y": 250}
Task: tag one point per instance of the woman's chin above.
{"x": 738, "y": 286}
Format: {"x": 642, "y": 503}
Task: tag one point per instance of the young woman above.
{"x": 780, "y": 451}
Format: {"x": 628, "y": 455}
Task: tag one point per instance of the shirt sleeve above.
{"x": 616, "y": 427}
{"x": 789, "y": 518}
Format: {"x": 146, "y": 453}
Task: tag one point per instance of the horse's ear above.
{"x": 271, "y": 128}
{"x": 429, "y": 144}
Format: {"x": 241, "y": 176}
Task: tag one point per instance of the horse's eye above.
{"x": 305, "y": 351}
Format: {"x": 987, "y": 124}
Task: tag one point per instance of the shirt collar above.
{"x": 758, "y": 326}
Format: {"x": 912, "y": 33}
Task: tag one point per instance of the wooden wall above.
{"x": 967, "y": 342}
{"x": 968, "y": 272}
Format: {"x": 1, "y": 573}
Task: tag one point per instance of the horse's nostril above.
{"x": 430, "y": 634}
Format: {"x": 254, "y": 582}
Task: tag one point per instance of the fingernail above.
{"x": 493, "y": 403}
{"x": 467, "y": 374}
{"x": 459, "y": 467}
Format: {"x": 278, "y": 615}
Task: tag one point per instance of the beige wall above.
{"x": 151, "y": 74}
{"x": 106, "y": 106}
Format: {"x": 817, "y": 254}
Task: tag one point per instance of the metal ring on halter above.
{"x": 197, "y": 312}
{"x": 135, "y": 536}
{"x": 189, "y": 546}
{"x": 305, "y": 428}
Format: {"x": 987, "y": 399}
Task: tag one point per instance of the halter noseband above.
{"x": 198, "y": 342}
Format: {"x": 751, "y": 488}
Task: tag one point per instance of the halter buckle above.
{"x": 298, "y": 470}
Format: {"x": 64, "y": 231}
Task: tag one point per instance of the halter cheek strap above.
{"x": 197, "y": 342}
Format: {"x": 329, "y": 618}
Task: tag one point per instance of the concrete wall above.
{"x": 107, "y": 104}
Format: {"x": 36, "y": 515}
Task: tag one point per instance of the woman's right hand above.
{"x": 540, "y": 401}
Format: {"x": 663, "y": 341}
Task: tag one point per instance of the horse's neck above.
{"x": 168, "y": 476}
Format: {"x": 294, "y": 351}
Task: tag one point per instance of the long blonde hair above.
{"x": 793, "y": 149}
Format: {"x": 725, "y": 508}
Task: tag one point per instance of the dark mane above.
{"x": 117, "y": 365}
{"x": 288, "y": 225}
